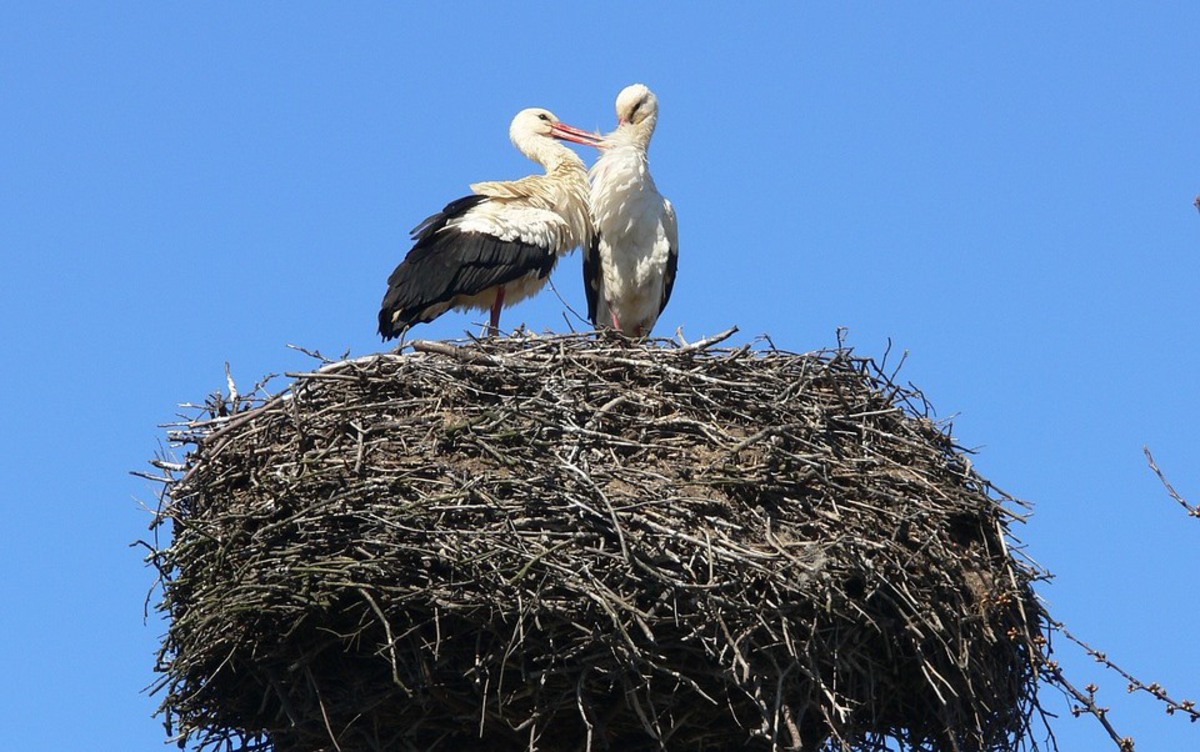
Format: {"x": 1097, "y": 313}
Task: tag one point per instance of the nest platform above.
{"x": 578, "y": 542}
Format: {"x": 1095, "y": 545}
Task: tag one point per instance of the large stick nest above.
{"x": 580, "y": 543}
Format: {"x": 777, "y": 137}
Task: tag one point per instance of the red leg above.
{"x": 616, "y": 322}
{"x": 494, "y": 325}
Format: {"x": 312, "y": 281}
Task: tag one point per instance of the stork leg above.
{"x": 616, "y": 321}
{"x": 494, "y": 324}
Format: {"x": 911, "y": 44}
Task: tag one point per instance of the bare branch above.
{"x": 1191, "y": 510}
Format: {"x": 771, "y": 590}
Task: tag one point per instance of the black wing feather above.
{"x": 669, "y": 278}
{"x": 593, "y": 276}
{"x": 445, "y": 262}
{"x": 456, "y": 208}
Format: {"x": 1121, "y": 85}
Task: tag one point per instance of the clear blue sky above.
{"x": 1005, "y": 193}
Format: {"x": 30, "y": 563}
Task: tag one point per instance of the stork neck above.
{"x": 547, "y": 152}
{"x": 635, "y": 135}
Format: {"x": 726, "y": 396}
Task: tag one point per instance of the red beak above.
{"x": 577, "y": 135}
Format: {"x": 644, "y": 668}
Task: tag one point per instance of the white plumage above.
{"x": 629, "y": 269}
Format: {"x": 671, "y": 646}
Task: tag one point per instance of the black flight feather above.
{"x": 669, "y": 277}
{"x": 593, "y": 278}
{"x": 446, "y": 262}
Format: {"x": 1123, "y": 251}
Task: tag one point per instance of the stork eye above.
{"x": 543, "y": 116}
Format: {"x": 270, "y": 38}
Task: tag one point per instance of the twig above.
{"x": 707, "y": 342}
{"x": 1191, "y": 510}
{"x": 461, "y": 353}
{"x": 1156, "y": 690}
{"x": 1088, "y": 705}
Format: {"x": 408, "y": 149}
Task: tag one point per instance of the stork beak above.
{"x": 576, "y": 135}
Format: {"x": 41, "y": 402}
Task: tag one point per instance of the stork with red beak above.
{"x": 498, "y": 245}
{"x": 629, "y": 267}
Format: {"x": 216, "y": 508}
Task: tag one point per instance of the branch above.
{"x": 1087, "y": 702}
{"x": 1191, "y": 510}
{"x": 1186, "y": 707}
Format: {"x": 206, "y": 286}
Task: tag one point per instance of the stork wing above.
{"x": 453, "y": 210}
{"x": 474, "y": 244}
{"x": 530, "y": 186}
{"x": 671, "y": 236}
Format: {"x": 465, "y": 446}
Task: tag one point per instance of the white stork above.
{"x": 496, "y": 246}
{"x": 629, "y": 268}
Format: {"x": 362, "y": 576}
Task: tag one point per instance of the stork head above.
{"x": 636, "y": 104}
{"x": 535, "y": 121}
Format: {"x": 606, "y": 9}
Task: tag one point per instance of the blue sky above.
{"x": 1003, "y": 192}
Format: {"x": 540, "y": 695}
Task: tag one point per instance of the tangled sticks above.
{"x": 580, "y": 543}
